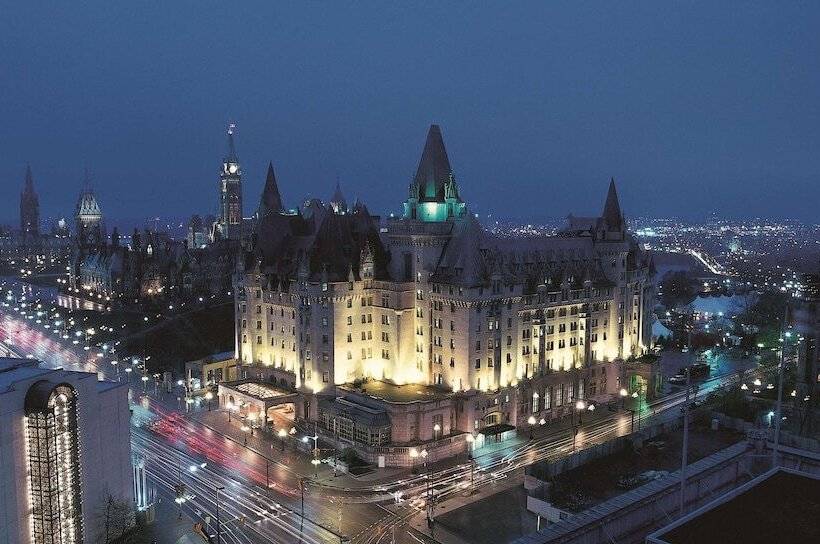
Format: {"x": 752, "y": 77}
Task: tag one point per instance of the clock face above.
{"x": 232, "y": 168}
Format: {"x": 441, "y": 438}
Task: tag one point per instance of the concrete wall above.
{"x": 630, "y": 517}
{"x": 104, "y": 435}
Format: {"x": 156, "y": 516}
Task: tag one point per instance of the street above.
{"x": 177, "y": 448}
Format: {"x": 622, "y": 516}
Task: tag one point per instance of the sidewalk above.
{"x": 293, "y": 454}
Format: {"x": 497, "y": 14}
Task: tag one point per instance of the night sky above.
{"x": 694, "y": 107}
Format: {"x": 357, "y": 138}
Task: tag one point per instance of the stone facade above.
{"x": 502, "y": 328}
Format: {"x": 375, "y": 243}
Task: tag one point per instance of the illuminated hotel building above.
{"x": 425, "y": 327}
{"x": 64, "y": 448}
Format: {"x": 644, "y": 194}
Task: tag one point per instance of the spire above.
{"x": 434, "y": 169}
{"x": 29, "y": 180}
{"x": 271, "y": 201}
{"x": 338, "y": 202}
{"x": 231, "y": 148}
{"x": 87, "y": 181}
{"x": 612, "y": 216}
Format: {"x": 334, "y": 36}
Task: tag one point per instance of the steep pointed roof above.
{"x": 434, "y": 169}
{"x": 338, "y": 202}
{"x": 29, "y": 187}
{"x": 271, "y": 200}
{"x": 87, "y": 205}
{"x": 231, "y": 148}
{"x": 612, "y": 216}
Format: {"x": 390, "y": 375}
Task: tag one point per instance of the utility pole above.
{"x": 685, "y": 451}
{"x": 779, "y": 412}
{"x": 302, "y": 517}
{"x": 218, "y": 521}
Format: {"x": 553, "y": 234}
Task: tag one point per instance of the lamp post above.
{"x": 637, "y": 396}
{"x": 531, "y": 423}
{"x": 209, "y": 396}
{"x": 779, "y": 411}
{"x": 282, "y": 434}
{"x": 252, "y": 417}
{"x": 218, "y": 522}
{"x": 414, "y": 454}
{"x": 580, "y": 406}
{"x": 245, "y": 430}
{"x": 436, "y": 431}
{"x": 623, "y": 394}
{"x": 429, "y": 489}
{"x": 470, "y": 444}
{"x": 315, "y": 438}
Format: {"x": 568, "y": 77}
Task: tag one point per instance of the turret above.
{"x": 433, "y": 193}
{"x": 271, "y": 201}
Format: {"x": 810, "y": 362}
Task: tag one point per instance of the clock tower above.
{"x": 230, "y": 193}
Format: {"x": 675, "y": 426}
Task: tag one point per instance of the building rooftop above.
{"x": 779, "y": 506}
{"x": 391, "y": 392}
{"x": 13, "y": 370}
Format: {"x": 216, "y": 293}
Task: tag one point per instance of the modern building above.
{"x": 498, "y": 331}
{"x": 64, "y": 450}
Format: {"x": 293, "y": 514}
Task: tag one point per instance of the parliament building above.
{"x": 428, "y": 331}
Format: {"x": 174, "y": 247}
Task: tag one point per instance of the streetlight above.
{"x": 245, "y": 429}
{"x": 282, "y": 434}
{"x": 315, "y": 439}
{"x": 414, "y": 454}
{"x": 208, "y": 397}
{"x": 580, "y": 406}
{"x": 531, "y": 423}
{"x": 623, "y": 393}
{"x": 229, "y": 409}
{"x": 470, "y": 443}
{"x": 436, "y": 431}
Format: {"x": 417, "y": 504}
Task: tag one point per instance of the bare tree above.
{"x": 115, "y": 518}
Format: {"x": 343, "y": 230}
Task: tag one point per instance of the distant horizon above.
{"x": 539, "y": 104}
{"x": 485, "y": 219}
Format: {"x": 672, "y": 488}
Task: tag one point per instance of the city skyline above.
{"x": 569, "y": 101}
{"x": 417, "y": 273}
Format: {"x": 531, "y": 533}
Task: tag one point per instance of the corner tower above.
{"x": 433, "y": 191}
{"x": 230, "y": 193}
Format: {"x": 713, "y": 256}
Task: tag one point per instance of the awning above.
{"x": 498, "y": 428}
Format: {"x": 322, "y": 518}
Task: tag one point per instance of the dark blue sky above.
{"x": 693, "y": 106}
